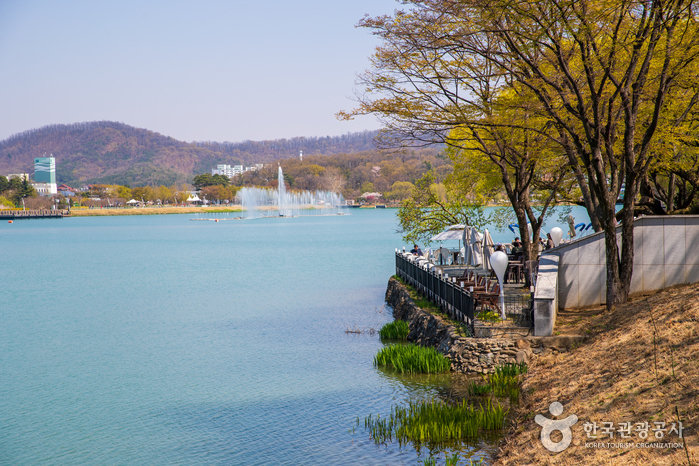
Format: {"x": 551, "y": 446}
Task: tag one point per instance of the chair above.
{"x": 488, "y": 298}
{"x": 442, "y": 256}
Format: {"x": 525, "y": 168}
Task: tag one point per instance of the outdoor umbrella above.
{"x": 452, "y": 232}
{"x": 488, "y": 248}
{"x": 477, "y": 247}
{"x": 467, "y": 245}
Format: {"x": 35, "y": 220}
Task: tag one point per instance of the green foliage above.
{"x": 412, "y": 359}
{"x": 400, "y": 190}
{"x": 203, "y": 180}
{"x": 432, "y": 207}
{"x": 452, "y": 460}
{"x": 435, "y": 422}
{"x": 512, "y": 369}
{"x": 488, "y": 315}
{"x": 6, "y": 202}
{"x": 476, "y": 389}
{"x": 396, "y": 330}
{"x": 505, "y": 382}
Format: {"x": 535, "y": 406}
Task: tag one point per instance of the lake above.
{"x": 160, "y": 340}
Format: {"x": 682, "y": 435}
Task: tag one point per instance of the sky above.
{"x": 204, "y": 70}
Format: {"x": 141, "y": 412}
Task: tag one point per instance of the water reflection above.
{"x": 447, "y": 387}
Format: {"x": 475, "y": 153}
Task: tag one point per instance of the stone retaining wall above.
{"x": 480, "y": 355}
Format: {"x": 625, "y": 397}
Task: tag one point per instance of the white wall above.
{"x": 666, "y": 253}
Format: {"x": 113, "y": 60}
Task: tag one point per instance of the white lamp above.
{"x": 556, "y": 235}
{"x": 498, "y": 261}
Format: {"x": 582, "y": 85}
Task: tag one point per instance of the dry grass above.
{"x": 641, "y": 363}
{"x": 152, "y": 211}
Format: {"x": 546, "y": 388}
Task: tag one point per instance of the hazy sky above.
{"x": 204, "y": 70}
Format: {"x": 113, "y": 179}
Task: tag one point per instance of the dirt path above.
{"x": 639, "y": 364}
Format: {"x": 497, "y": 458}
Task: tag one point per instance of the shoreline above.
{"x": 150, "y": 211}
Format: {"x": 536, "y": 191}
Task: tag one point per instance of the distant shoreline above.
{"x": 151, "y": 211}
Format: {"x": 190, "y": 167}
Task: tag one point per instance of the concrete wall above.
{"x": 666, "y": 253}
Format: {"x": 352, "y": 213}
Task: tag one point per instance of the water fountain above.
{"x": 268, "y": 202}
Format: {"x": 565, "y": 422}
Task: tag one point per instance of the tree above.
{"x": 400, "y": 190}
{"x": 124, "y": 192}
{"x": 367, "y": 187}
{"x": 216, "y": 193}
{"x": 205, "y": 179}
{"x": 431, "y": 207}
{"x": 597, "y": 77}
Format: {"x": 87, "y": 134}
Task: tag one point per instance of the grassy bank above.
{"x": 639, "y": 364}
{"x": 152, "y": 211}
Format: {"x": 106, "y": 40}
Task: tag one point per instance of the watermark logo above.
{"x": 551, "y": 425}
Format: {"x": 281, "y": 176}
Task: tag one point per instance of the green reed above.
{"x": 512, "y": 369}
{"x": 396, "y": 330}
{"x": 412, "y": 359}
{"x": 435, "y": 422}
{"x": 505, "y": 382}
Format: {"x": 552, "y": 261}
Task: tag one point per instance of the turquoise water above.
{"x": 160, "y": 340}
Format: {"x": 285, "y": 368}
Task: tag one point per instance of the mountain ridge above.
{"x": 117, "y": 153}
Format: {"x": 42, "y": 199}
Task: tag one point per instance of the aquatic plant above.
{"x": 396, "y": 330}
{"x": 435, "y": 422}
{"x": 429, "y": 461}
{"x": 412, "y": 359}
{"x": 476, "y": 389}
{"x": 452, "y": 460}
{"x": 505, "y": 382}
{"x": 512, "y": 369}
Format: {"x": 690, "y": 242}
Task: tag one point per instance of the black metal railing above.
{"x": 453, "y": 300}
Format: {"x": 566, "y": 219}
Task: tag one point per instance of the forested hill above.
{"x": 116, "y": 153}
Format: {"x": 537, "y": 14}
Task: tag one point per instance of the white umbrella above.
{"x": 132, "y": 201}
{"x": 477, "y": 246}
{"x": 488, "y": 248}
{"x": 452, "y": 232}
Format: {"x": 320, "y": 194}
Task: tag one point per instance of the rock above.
{"x": 522, "y": 344}
{"x": 521, "y": 357}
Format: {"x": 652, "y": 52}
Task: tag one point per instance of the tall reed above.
{"x": 412, "y": 359}
{"x": 396, "y": 330}
{"x": 435, "y": 422}
{"x": 505, "y": 382}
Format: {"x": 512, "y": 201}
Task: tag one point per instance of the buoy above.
{"x": 216, "y": 220}
{"x": 10, "y": 221}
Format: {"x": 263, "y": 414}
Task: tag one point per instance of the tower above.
{"x": 301, "y": 155}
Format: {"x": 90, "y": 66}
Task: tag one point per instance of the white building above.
{"x": 227, "y": 170}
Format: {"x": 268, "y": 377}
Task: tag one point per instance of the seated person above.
{"x": 416, "y": 250}
{"x": 517, "y": 249}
